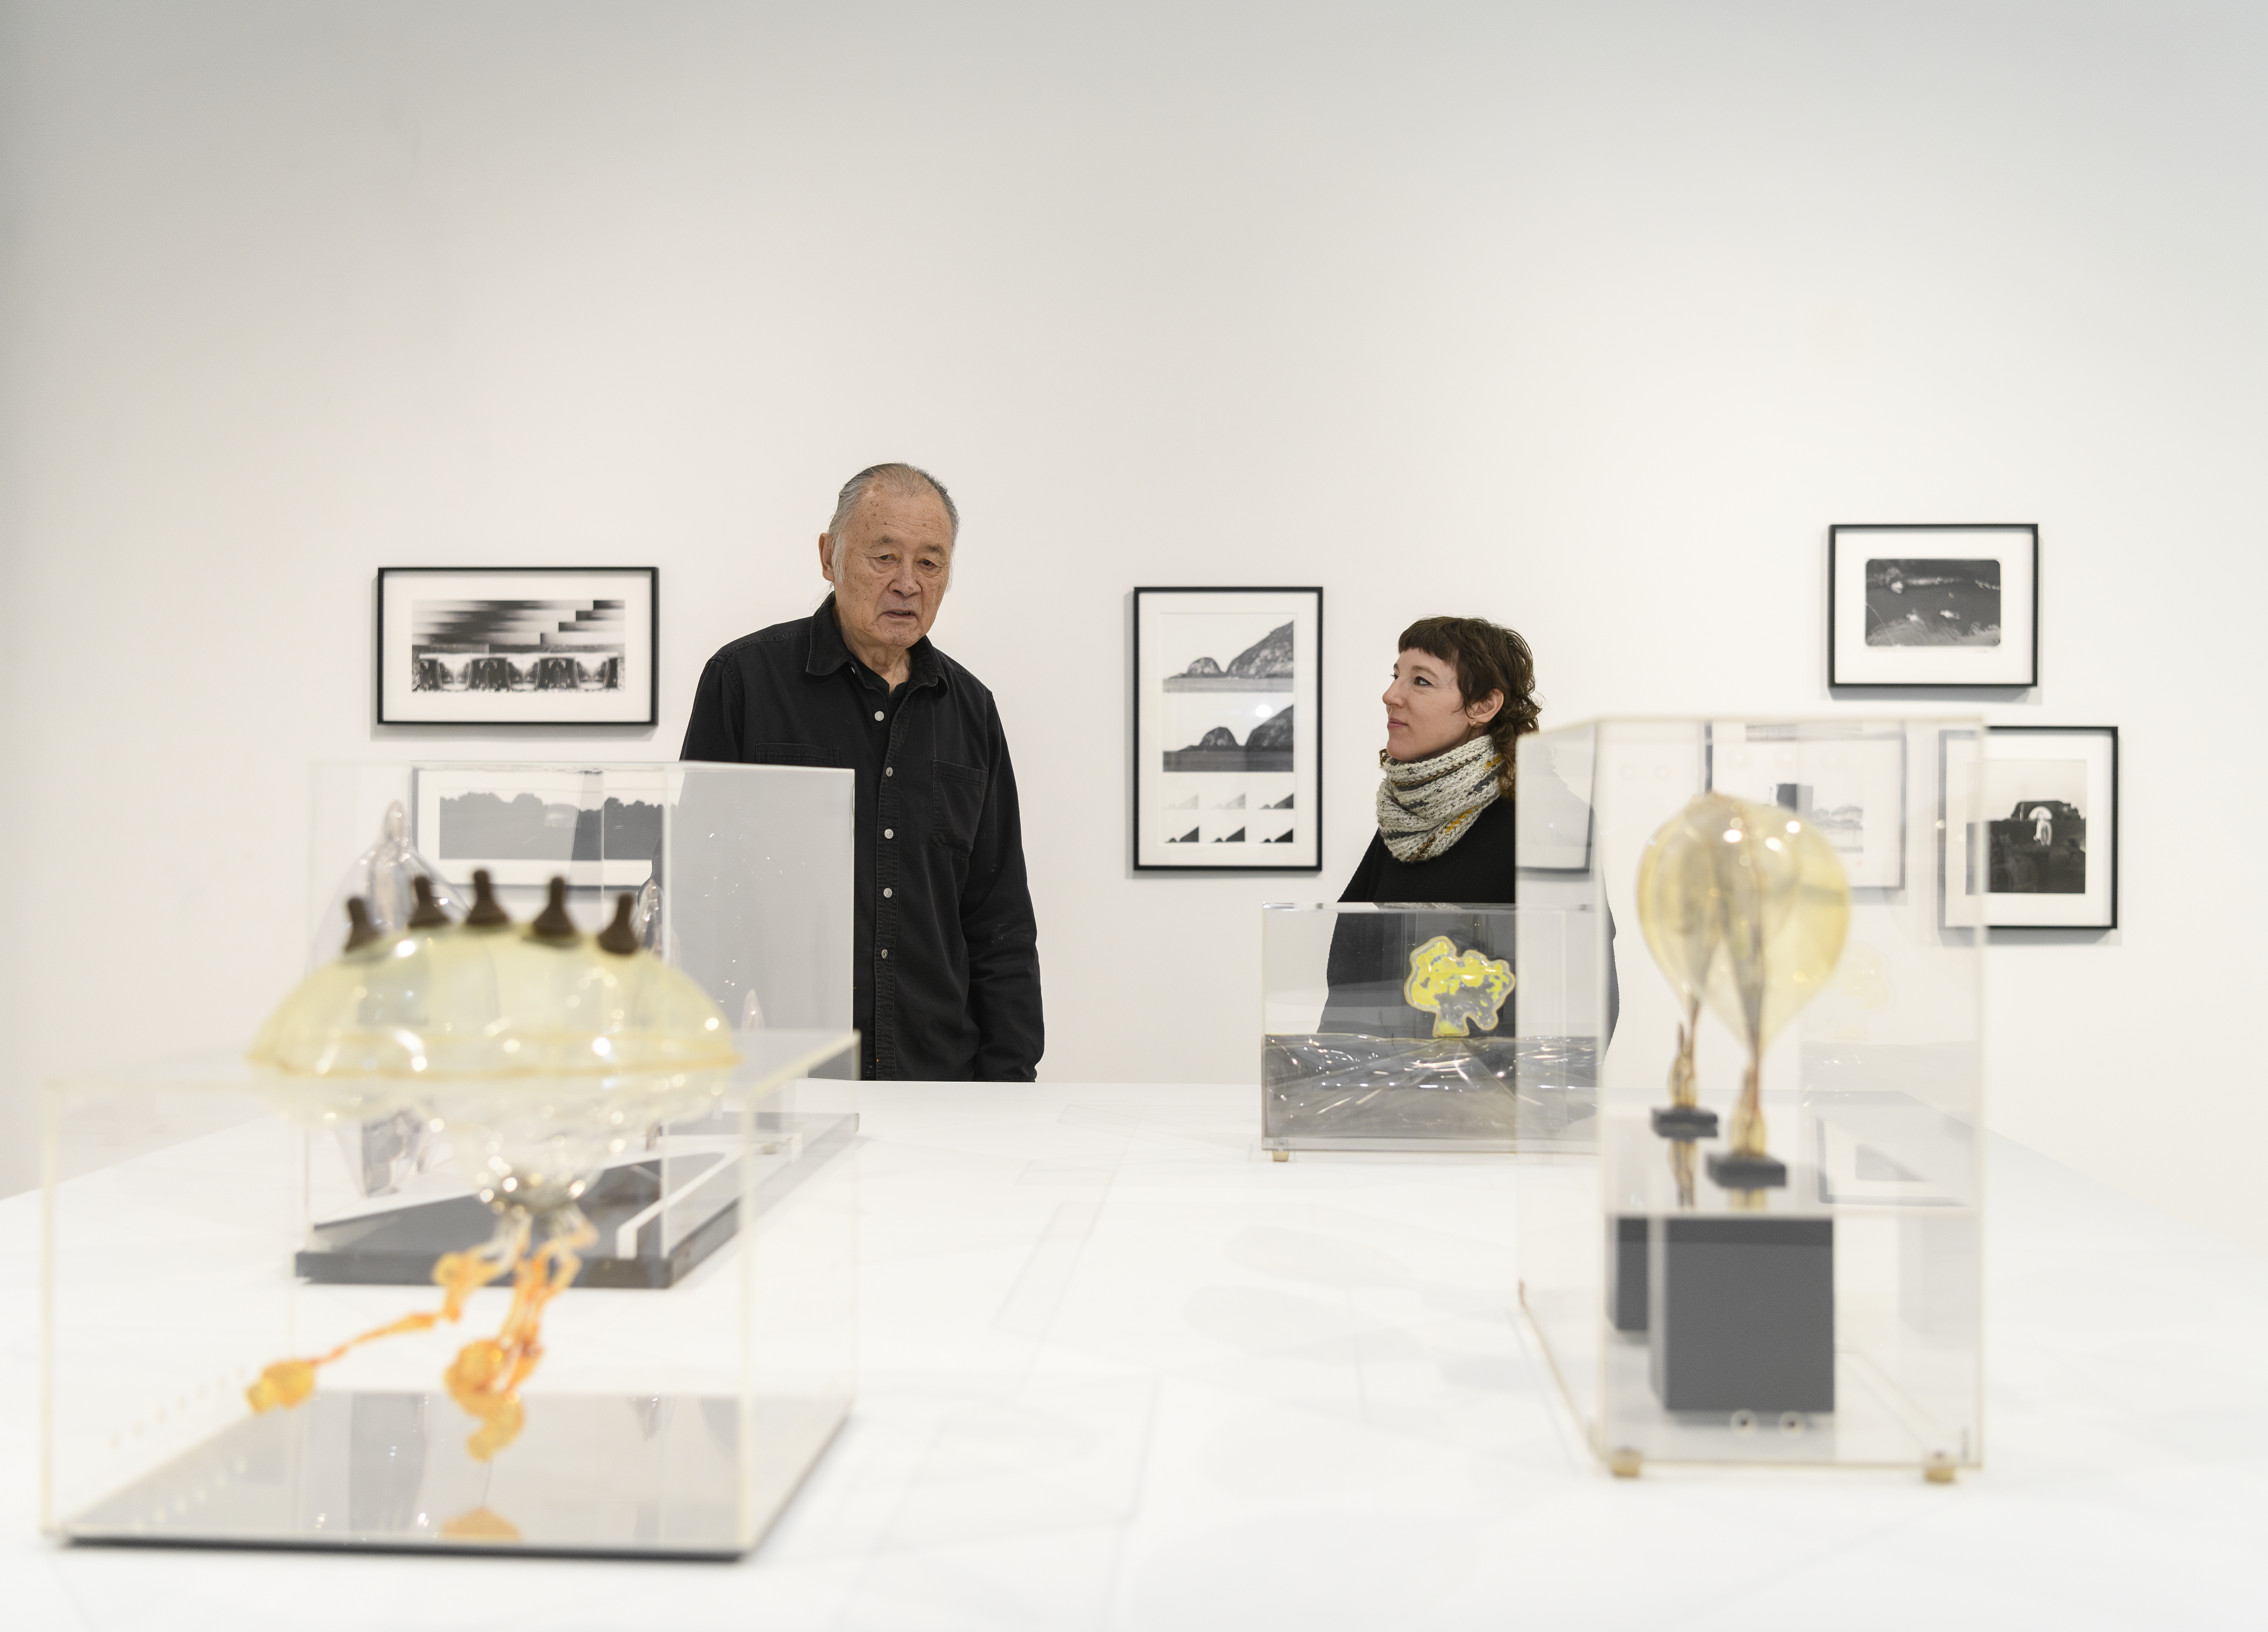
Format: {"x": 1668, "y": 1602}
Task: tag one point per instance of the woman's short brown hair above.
{"x": 1488, "y": 657}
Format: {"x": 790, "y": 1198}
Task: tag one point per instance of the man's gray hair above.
{"x": 900, "y": 479}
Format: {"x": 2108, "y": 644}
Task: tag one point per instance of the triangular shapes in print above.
{"x": 1236, "y": 804}
{"x": 1284, "y": 840}
{"x": 1284, "y": 803}
{"x": 1237, "y": 838}
{"x": 1190, "y": 803}
{"x": 1189, "y": 837}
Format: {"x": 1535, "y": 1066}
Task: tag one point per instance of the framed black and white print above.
{"x": 1227, "y": 695}
{"x": 1952, "y": 604}
{"x": 2042, "y": 850}
{"x": 518, "y": 645}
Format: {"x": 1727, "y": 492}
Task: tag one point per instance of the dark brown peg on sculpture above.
{"x": 553, "y": 924}
{"x": 618, "y": 937}
{"x": 486, "y": 914}
{"x": 360, "y": 931}
{"x": 431, "y": 914}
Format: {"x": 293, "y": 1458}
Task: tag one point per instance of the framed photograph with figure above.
{"x": 1227, "y": 699}
{"x": 2042, "y": 852}
{"x": 519, "y": 645}
{"x": 1935, "y": 604}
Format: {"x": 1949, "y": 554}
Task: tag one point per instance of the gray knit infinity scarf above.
{"x": 1427, "y": 805}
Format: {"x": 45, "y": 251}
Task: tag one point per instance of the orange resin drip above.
{"x": 485, "y": 1378}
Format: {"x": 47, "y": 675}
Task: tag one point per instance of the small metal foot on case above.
{"x": 1938, "y": 1469}
{"x": 1625, "y": 1462}
{"x": 1280, "y": 1156}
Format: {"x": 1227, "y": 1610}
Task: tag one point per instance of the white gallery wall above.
{"x": 1588, "y": 318}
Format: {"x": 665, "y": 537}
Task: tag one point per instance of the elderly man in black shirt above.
{"x": 946, "y": 981}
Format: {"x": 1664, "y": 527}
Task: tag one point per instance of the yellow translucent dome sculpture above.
{"x": 536, "y": 1051}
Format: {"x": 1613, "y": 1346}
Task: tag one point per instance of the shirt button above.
{"x": 877, "y": 713}
{"x": 886, "y": 951}
{"x": 887, "y": 833}
{"x": 889, "y": 769}
{"x": 886, "y": 894}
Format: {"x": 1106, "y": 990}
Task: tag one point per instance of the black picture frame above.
{"x": 1857, "y": 661}
{"x": 1172, "y": 699}
{"x": 1959, "y": 856}
{"x": 412, "y": 680}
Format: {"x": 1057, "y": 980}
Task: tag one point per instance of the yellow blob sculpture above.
{"x": 1745, "y": 907}
{"x": 1457, "y": 989}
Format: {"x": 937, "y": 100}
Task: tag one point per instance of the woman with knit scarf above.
{"x": 1463, "y": 693}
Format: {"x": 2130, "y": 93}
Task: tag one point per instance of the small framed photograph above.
{"x": 1227, "y": 699}
{"x": 2043, "y": 852}
{"x": 526, "y": 824}
{"x": 518, "y": 645}
{"x": 1850, "y": 786}
{"x": 1934, "y": 605}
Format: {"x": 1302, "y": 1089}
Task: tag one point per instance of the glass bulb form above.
{"x": 1746, "y": 908}
{"x": 538, "y": 1052}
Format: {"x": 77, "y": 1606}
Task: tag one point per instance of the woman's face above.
{"x": 1425, "y": 714}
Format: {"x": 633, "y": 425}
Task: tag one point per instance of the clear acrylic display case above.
{"x": 741, "y": 873}
{"x": 1349, "y": 1062}
{"x": 205, "y": 1219}
{"x": 1834, "y": 1318}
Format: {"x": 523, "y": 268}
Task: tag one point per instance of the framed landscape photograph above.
{"x": 2043, "y": 853}
{"x": 518, "y": 645}
{"x": 1850, "y": 786}
{"x": 526, "y": 824}
{"x": 1227, "y": 696}
{"x": 1951, "y": 604}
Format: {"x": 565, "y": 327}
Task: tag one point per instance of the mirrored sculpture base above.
{"x": 1322, "y": 1092}
{"x": 629, "y": 1474}
{"x": 1434, "y": 1027}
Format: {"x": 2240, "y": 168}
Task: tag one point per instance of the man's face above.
{"x": 895, "y": 561}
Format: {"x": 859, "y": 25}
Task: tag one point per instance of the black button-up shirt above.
{"x": 946, "y": 984}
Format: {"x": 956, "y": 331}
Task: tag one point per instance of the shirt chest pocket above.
{"x": 958, "y": 796}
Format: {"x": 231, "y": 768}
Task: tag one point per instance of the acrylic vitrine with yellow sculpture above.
{"x": 1433, "y": 1027}
{"x": 1773, "y": 1253}
{"x": 501, "y": 1234}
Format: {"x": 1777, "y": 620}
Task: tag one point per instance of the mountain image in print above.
{"x": 1284, "y": 803}
{"x": 1263, "y": 666}
{"x": 1269, "y": 747}
{"x": 1284, "y": 837}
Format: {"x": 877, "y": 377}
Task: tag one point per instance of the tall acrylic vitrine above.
{"x": 1825, "y": 1306}
{"x": 1431, "y": 1027}
{"x": 212, "y": 1229}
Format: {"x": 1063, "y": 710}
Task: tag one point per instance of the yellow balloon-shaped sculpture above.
{"x": 1745, "y": 907}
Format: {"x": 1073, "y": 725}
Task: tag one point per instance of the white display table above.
{"x": 1122, "y": 1370}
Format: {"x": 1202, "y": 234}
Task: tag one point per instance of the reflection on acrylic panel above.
{"x": 517, "y": 646}
{"x": 1224, "y": 726}
{"x": 1851, "y": 788}
{"x": 1934, "y": 602}
{"x": 524, "y": 825}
